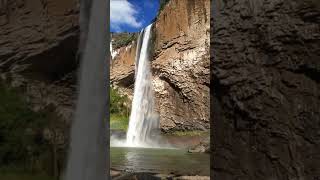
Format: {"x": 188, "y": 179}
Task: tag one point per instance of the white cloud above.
{"x": 123, "y": 13}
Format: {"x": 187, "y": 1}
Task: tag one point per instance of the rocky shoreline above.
{"x": 123, "y": 175}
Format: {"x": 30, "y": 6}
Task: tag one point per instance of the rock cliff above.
{"x": 39, "y": 41}
{"x": 123, "y": 65}
{"x": 180, "y": 65}
{"x": 266, "y": 89}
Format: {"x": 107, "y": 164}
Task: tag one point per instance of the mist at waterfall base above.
{"x": 143, "y": 130}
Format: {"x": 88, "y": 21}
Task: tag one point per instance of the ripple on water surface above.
{"x": 156, "y": 160}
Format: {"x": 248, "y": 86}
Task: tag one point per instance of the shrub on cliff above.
{"x": 23, "y": 148}
{"x": 119, "y": 103}
{"x": 19, "y": 128}
{"x": 123, "y": 39}
{"x": 163, "y": 3}
{"x": 119, "y": 110}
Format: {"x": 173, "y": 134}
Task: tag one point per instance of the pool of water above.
{"x": 156, "y": 160}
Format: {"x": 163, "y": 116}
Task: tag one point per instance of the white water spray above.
{"x": 143, "y": 119}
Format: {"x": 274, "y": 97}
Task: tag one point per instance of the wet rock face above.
{"x": 39, "y": 42}
{"x": 266, "y": 89}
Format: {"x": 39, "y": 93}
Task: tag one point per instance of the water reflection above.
{"x": 159, "y": 161}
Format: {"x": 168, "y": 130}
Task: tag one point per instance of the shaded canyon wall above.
{"x": 39, "y": 42}
{"x": 266, "y": 89}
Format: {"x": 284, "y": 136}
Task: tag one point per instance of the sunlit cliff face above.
{"x": 180, "y": 66}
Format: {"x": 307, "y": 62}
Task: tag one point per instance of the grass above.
{"x": 119, "y": 122}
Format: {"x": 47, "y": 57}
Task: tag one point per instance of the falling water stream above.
{"x": 88, "y": 147}
{"x": 143, "y": 119}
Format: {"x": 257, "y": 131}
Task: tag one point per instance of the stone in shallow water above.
{"x": 192, "y": 178}
{"x": 114, "y": 173}
{"x": 197, "y": 149}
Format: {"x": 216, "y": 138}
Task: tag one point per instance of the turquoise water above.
{"x": 154, "y": 160}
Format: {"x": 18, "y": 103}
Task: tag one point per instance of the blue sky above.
{"x": 132, "y": 15}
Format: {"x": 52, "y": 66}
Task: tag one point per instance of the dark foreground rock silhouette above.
{"x": 265, "y": 92}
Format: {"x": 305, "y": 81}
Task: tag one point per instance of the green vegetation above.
{"x": 119, "y": 110}
{"x": 119, "y": 104}
{"x": 119, "y": 122}
{"x": 23, "y": 149}
{"x": 163, "y": 3}
{"x": 20, "y": 136}
{"x": 123, "y": 39}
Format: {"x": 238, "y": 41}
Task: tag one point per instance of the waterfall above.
{"x": 143, "y": 119}
{"x": 88, "y": 155}
{"x": 113, "y": 52}
{"x": 138, "y": 50}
